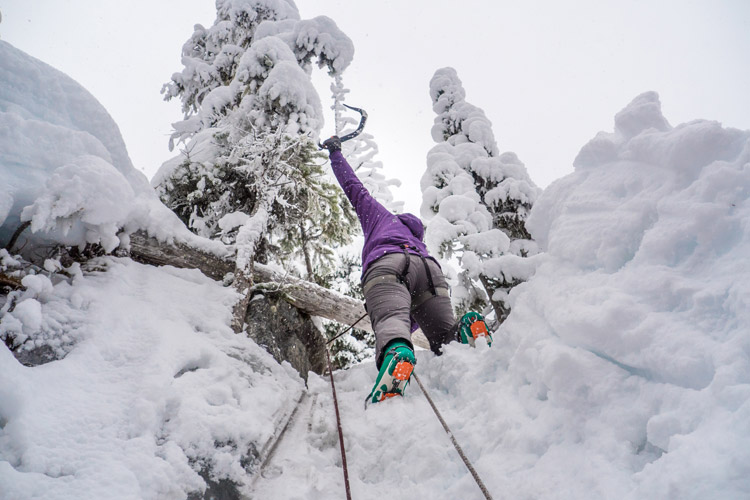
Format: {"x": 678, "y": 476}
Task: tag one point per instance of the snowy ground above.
{"x": 398, "y": 449}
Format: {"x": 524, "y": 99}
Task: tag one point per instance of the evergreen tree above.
{"x": 250, "y": 172}
{"x": 476, "y": 201}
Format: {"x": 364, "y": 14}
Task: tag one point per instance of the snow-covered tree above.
{"x": 249, "y": 172}
{"x": 476, "y": 201}
{"x": 361, "y": 151}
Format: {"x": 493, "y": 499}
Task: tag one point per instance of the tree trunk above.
{"x": 16, "y": 234}
{"x": 306, "y": 252}
{"x": 151, "y": 251}
{"x": 501, "y": 312}
{"x": 243, "y": 282}
{"x": 10, "y": 282}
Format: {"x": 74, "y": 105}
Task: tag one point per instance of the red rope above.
{"x": 342, "y": 333}
{"x": 341, "y": 432}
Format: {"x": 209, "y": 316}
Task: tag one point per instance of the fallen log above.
{"x": 151, "y": 251}
{"x": 304, "y": 295}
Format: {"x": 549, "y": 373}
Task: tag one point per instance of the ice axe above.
{"x": 360, "y": 128}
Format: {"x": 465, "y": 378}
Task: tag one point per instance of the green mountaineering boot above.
{"x": 398, "y": 363}
{"x": 472, "y": 326}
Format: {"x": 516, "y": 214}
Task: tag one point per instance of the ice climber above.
{"x": 403, "y": 284}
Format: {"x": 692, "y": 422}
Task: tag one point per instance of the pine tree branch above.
{"x": 16, "y": 234}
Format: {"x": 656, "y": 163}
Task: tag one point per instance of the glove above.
{"x": 332, "y": 144}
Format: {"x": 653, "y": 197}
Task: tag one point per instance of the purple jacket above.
{"x": 384, "y": 232}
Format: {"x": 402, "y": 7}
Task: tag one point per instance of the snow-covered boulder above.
{"x": 64, "y": 166}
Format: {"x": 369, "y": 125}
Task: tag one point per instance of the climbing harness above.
{"x": 432, "y": 290}
{"x": 460, "y": 451}
{"x": 359, "y": 129}
{"x": 407, "y": 255}
{"x": 417, "y": 300}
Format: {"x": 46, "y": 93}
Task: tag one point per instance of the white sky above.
{"x": 548, "y": 74}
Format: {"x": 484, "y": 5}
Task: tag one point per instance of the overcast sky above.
{"x": 548, "y": 74}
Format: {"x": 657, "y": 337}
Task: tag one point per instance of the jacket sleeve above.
{"x": 369, "y": 210}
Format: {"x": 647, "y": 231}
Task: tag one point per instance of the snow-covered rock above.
{"x": 64, "y": 165}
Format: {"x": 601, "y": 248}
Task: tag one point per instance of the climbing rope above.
{"x": 458, "y": 448}
{"x": 338, "y": 425}
{"x": 453, "y": 440}
{"x": 349, "y": 328}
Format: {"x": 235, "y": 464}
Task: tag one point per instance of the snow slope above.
{"x": 155, "y": 384}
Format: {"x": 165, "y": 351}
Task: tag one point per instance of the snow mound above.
{"x": 48, "y": 119}
{"x": 89, "y": 192}
{"x": 64, "y": 165}
{"x": 636, "y": 322}
{"x": 156, "y": 393}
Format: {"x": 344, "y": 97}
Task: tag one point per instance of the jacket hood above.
{"x": 414, "y": 224}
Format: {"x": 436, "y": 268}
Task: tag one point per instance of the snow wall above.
{"x": 631, "y": 344}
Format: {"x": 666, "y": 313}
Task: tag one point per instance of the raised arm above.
{"x": 369, "y": 210}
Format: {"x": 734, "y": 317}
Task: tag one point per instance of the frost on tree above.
{"x": 249, "y": 172}
{"x": 475, "y": 200}
{"x": 360, "y": 152}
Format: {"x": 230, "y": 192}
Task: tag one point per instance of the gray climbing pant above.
{"x": 391, "y": 302}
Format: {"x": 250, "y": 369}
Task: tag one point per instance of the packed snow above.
{"x": 623, "y": 370}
